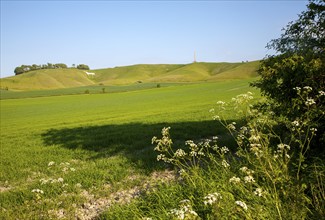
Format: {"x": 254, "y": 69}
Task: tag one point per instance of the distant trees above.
{"x": 26, "y": 68}
{"x": 83, "y": 67}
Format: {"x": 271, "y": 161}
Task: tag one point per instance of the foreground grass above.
{"x": 61, "y": 155}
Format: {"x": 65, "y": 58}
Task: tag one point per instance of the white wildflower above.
{"x": 44, "y": 181}
{"x": 243, "y": 169}
{"x": 193, "y": 153}
{"x": 216, "y": 117}
{"x": 254, "y": 138}
{"x": 241, "y": 204}
{"x": 78, "y": 185}
{"x": 51, "y": 163}
{"x": 243, "y": 128}
{"x": 201, "y": 153}
{"x": 72, "y": 169}
{"x": 255, "y": 148}
{"x": 153, "y": 140}
{"x": 308, "y": 88}
{"x": 211, "y": 110}
{"x": 310, "y": 102}
{"x": 246, "y": 170}
{"x": 297, "y": 88}
{"x": 165, "y": 131}
{"x": 211, "y": 198}
{"x": 38, "y": 191}
{"x": 224, "y": 150}
{"x": 181, "y": 172}
{"x": 185, "y": 211}
{"x": 249, "y": 179}
{"x": 259, "y": 192}
{"x": 231, "y": 127}
{"x": 234, "y": 179}
{"x": 220, "y": 103}
{"x": 60, "y": 180}
{"x": 185, "y": 201}
{"x": 282, "y": 147}
{"x": 321, "y": 93}
{"x": 313, "y": 130}
{"x": 179, "y": 153}
{"x": 178, "y": 213}
{"x": 161, "y": 157}
{"x": 215, "y": 138}
{"x": 225, "y": 164}
{"x": 295, "y": 123}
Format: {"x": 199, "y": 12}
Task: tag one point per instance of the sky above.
{"x": 103, "y": 34}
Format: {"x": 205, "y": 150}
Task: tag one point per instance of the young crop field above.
{"x": 74, "y": 156}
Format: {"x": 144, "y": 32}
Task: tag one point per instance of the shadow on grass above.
{"x": 131, "y": 140}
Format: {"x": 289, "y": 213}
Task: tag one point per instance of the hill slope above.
{"x": 47, "y": 79}
{"x": 193, "y": 72}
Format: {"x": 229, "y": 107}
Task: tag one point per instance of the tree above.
{"x": 299, "y": 62}
{"x": 19, "y": 70}
{"x": 83, "y": 67}
{"x": 61, "y": 65}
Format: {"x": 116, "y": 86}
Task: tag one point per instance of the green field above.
{"x": 100, "y": 143}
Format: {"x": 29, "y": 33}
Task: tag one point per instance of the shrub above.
{"x": 299, "y": 62}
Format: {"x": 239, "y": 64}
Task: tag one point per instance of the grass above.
{"x": 100, "y": 144}
{"x": 93, "y": 89}
{"x": 51, "y": 79}
{"x": 47, "y": 79}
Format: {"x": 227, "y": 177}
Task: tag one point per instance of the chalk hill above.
{"x": 193, "y": 72}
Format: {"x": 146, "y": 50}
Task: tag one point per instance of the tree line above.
{"x": 26, "y": 68}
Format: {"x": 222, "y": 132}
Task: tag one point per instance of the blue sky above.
{"x": 105, "y": 34}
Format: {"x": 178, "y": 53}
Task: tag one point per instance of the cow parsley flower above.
{"x": 241, "y": 204}
{"x": 38, "y": 191}
{"x": 185, "y": 211}
{"x": 51, "y": 163}
{"x": 249, "y": 179}
{"x": 212, "y": 198}
{"x": 295, "y": 123}
{"x": 225, "y": 164}
{"x": 310, "y": 102}
{"x": 180, "y": 153}
{"x": 216, "y": 117}
{"x": 224, "y": 150}
{"x": 234, "y": 179}
{"x": 259, "y": 192}
{"x": 220, "y": 103}
{"x": 313, "y": 130}
{"x": 308, "y": 88}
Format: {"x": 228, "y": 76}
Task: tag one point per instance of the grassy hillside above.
{"x": 47, "y": 79}
{"x": 68, "y": 78}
